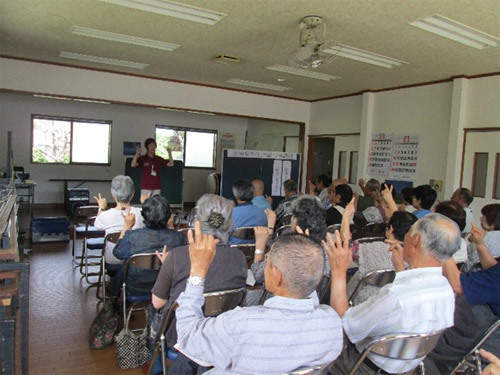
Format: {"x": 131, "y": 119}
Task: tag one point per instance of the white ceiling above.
{"x": 261, "y": 33}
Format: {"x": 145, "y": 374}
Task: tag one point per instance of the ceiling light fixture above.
{"x": 456, "y": 31}
{"x": 364, "y": 56}
{"x": 50, "y": 97}
{"x": 91, "y": 101}
{"x": 172, "y": 9}
{"x": 102, "y": 60}
{"x": 99, "y": 34}
{"x": 302, "y": 72}
{"x": 259, "y": 85}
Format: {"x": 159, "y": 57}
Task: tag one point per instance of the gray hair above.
{"x": 215, "y": 215}
{"x": 243, "y": 190}
{"x": 439, "y": 235}
{"x": 301, "y": 262}
{"x": 122, "y": 187}
{"x": 373, "y": 185}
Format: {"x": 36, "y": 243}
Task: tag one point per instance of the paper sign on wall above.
{"x": 276, "y": 185}
{"x": 404, "y": 161}
{"x": 379, "y": 157}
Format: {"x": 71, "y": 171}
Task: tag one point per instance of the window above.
{"x": 479, "y": 174}
{"x": 353, "y": 167}
{"x": 195, "y": 147}
{"x": 342, "y": 164}
{"x": 70, "y": 141}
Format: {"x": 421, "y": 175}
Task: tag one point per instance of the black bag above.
{"x": 131, "y": 348}
{"x": 104, "y": 326}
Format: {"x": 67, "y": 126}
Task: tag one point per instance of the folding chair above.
{"x": 244, "y": 233}
{"x": 90, "y": 259}
{"x": 146, "y": 262}
{"x": 101, "y": 283}
{"x": 185, "y": 231}
{"x": 248, "y": 250}
{"x": 83, "y": 228}
{"x": 471, "y": 363}
{"x": 377, "y": 278}
{"x": 402, "y": 347}
{"x": 279, "y": 231}
{"x": 372, "y": 231}
{"x": 215, "y": 304}
{"x": 284, "y": 220}
{"x": 332, "y": 228}
{"x": 313, "y": 370}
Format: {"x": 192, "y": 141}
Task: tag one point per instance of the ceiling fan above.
{"x": 312, "y": 43}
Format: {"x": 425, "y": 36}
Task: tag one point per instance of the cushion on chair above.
{"x": 81, "y": 229}
{"x": 95, "y": 243}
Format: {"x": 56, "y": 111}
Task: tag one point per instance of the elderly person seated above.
{"x": 291, "y": 330}
{"x": 455, "y": 212}
{"x": 245, "y": 214}
{"x": 477, "y": 307}
{"x": 375, "y": 255}
{"x": 489, "y": 234}
{"x": 227, "y": 271}
{"x": 423, "y": 200}
{"x": 420, "y": 300}
{"x": 285, "y": 206}
{"x": 156, "y": 214}
{"x": 112, "y": 220}
{"x": 340, "y": 198}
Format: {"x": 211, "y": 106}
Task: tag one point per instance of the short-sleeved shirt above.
{"x": 262, "y": 202}
{"x": 150, "y": 171}
{"x": 482, "y": 287}
{"x": 247, "y": 215}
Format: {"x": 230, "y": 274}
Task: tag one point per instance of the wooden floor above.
{"x": 61, "y": 311}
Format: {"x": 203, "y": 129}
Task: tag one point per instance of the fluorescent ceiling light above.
{"x": 99, "y": 34}
{"x": 302, "y": 72}
{"x": 102, "y": 60}
{"x": 50, "y": 97}
{"x": 456, "y": 31}
{"x": 172, "y": 9}
{"x": 260, "y": 85}
{"x": 364, "y": 56}
{"x": 91, "y": 101}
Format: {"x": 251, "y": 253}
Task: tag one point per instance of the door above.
{"x": 480, "y": 171}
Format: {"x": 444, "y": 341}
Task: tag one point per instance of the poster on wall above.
{"x": 404, "y": 161}
{"x": 379, "y": 157}
{"x": 227, "y": 140}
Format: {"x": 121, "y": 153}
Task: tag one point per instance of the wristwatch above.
{"x": 196, "y": 280}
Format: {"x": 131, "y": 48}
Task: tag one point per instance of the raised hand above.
{"x": 476, "y": 234}
{"x": 339, "y": 252}
{"x": 396, "y": 248}
{"x": 129, "y": 219}
{"x": 101, "y": 201}
{"x": 163, "y": 255}
{"x": 271, "y": 219}
{"x": 201, "y": 250}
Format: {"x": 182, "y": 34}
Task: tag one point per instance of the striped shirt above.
{"x": 418, "y": 301}
{"x": 280, "y": 336}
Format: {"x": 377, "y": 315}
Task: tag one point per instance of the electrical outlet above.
{"x": 436, "y": 184}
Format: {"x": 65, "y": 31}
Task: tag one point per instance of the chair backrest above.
{"x": 146, "y": 261}
{"x": 401, "y": 346}
{"x": 332, "y": 228}
{"x": 377, "y": 278}
{"x": 472, "y": 359}
{"x": 248, "y": 251}
{"x": 86, "y": 211}
{"x": 279, "y": 231}
{"x": 313, "y": 370}
{"x": 245, "y": 233}
{"x": 374, "y": 230}
{"x": 225, "y": 300}
{"x": 284, "y": 220}
{"x": 185, "y": 231}
{"x": 112, "y": 237}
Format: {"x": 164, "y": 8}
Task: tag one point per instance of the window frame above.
{"x": 194, "y": 130}
{"x": 71, "y": 120}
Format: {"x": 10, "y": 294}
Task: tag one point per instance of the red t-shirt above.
{"x": 150, "y": 176}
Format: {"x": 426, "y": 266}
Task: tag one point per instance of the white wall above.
{"x": 336, "y": 116}
{"x": 128, "y": 124}
{"x": 483, "y": 103}
{"x": 268, "y": 135}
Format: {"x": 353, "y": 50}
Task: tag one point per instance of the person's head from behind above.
{"x": 453, "y": 211}
{"x": 323, "y": 182}
{"x": 309, "y": 213}
{"x": 294, "y": 266}
{"x": 215, "y": 215}
{"x": 150, "y": 145}
{"x": 433, "y": 237}
{"x": 463, "y": 197}
{"x": 122, "y": 189}
{"x": 343, "y": 195}
{"x": 156, "y": 212}
{"x": 407, "y": 195}
{"x": 258, "y": 188}
{"x": 372, "y": 188}
{"x": 243, "y": 191}
{"x": 290, "y": 187}
{"x": 399, "y": 224}
{"x": 490, "y": 218}
{"x": 331, "y": 188}
{"x": 424, "y": 197}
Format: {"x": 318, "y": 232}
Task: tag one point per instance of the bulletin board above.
{"x": 272, "y": 167}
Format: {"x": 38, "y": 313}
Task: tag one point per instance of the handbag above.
{"x": 104, "y": 326}
{"x": 131, "y": 348}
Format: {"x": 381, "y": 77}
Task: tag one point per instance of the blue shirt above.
{"x": 483, "y": 287}
{"x": 261, "y": 202}
{"x": 247, "y": 215}
{"x": 278, "y": 337}
{"x": 421, "y": 213}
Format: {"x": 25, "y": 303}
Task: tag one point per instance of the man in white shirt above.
{"x": 420, "y": 300}
{"x": 464, "y": 198}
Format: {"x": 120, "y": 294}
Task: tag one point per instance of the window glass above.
{"x": 342, "y": 164}
{"x": 353, "y": 167}
{"x": 51, "y": 141}
{"x": 170, "y": 138}
{"x": 90, "y": 143}
{"x": 479, "y": 174}
{"x": 200, "y": 149}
